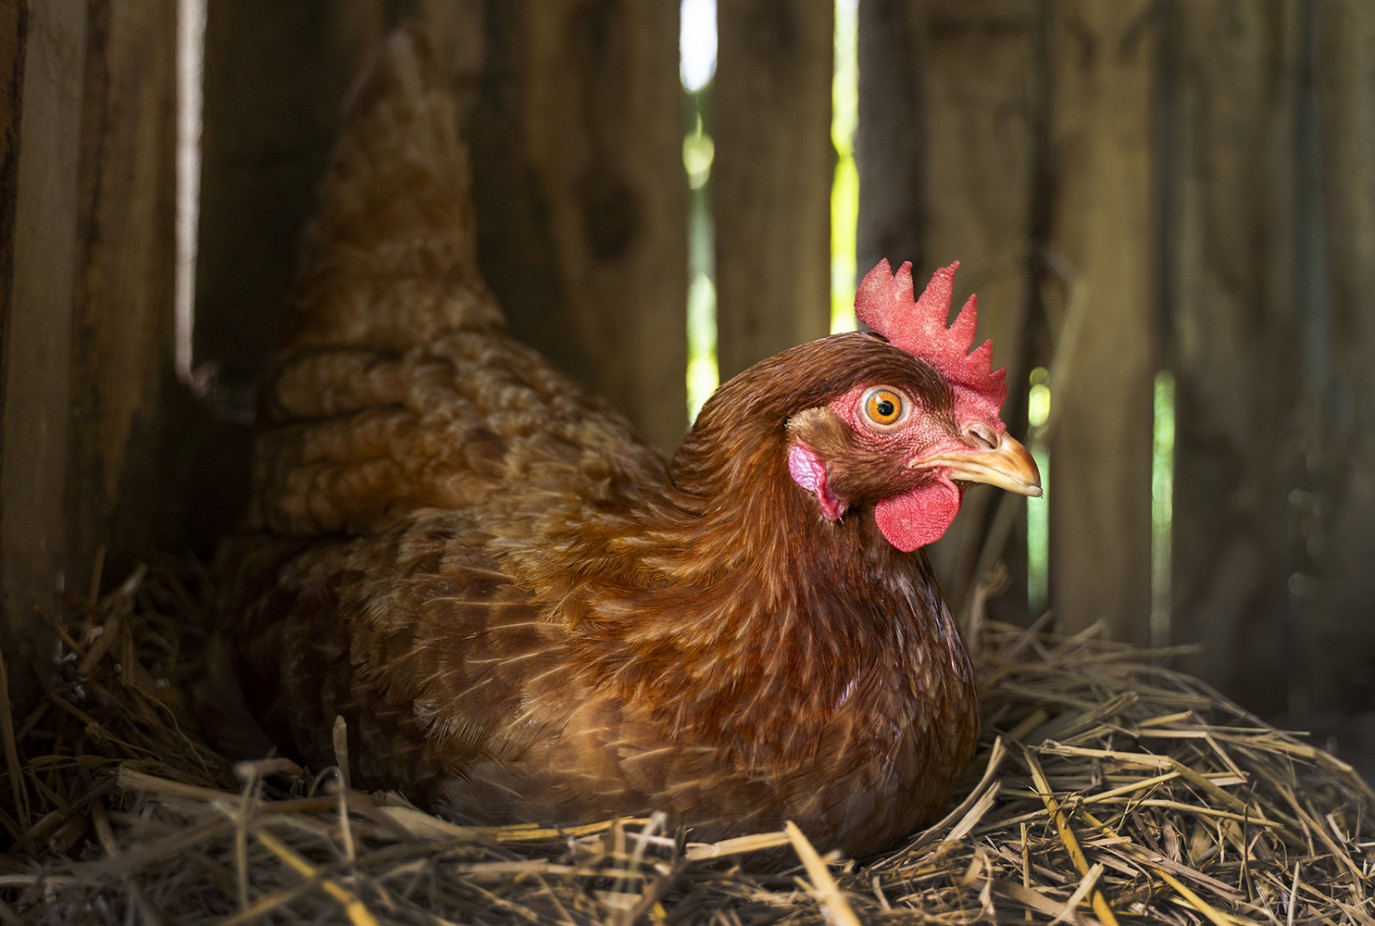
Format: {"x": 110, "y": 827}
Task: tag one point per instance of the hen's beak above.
{"x": 1008, "y": 466}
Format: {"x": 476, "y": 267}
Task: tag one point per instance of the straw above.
{"x": 1108, "y": 788}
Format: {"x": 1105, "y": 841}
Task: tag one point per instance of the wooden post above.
{"x": 122, "y": 331}
{"x": 950, "y": 95}
{"x": 581, "y": 195}
{"x": 891, "y": 148}
{"x": 771, "y": 120}
{"x": 605, "y": 142}
{"x": 1335, "y": 604}
{"x": 88, "y": 277}
{"x": 51, "y": 41}
{"x": 1104, "y": 305}
{"x": 1234, "y": 327}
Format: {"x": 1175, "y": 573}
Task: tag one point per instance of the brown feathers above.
{"x": 522, "y": 612}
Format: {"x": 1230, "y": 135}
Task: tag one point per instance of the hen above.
{"x": 524, "y": 613}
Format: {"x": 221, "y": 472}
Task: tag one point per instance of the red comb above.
{"x": 884, "y": 303}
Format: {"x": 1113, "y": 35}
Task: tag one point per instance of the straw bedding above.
{"x": 1109, "y": 789}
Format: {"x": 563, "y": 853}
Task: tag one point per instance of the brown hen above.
{"x": 523, "y": 613}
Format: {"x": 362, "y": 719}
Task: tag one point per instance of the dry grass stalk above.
{"x": 1109, "y": 787}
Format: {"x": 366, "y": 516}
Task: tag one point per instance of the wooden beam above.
{"x": 36, "y": 405}
{"x": 581, "y": 196}
{"x": 605, "y": 144}
{"x": 1334, "y": 600}
{"x": 771, "y": 121}
{"x": 1103, "y": 234}
{"x": 891, "y": 149}
{"x": 1230, "y": 266}
{"x": 14, "y": 19}
{"x": 949, "y": 99}
{"x": 122, "y": 330}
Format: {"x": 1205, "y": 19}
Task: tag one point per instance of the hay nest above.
{"x": 1108, "y": 788}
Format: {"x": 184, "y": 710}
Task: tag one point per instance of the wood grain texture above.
{"x": 1230, "y": 258}
{"x": 88, "y": 321}
{"x": 1102, "y": 230}
{"x": 1339, "y": 646}
{"x": 572, "y": 113}
{"x": 771, "y": 120}
{"x": 947, "y": 155}
{"x": 17, "y": 639}
{"x": 890, "y": 147}
{"x": 13, "y": 42}
{"x": 123, "y": 299}
{"x": 37, "y": 334}
{"x": 606, "y": 150}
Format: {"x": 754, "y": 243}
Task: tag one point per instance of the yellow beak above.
{"x": 1008, "y": 466}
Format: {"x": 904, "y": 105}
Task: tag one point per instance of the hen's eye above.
{"x": 884, "y": 407}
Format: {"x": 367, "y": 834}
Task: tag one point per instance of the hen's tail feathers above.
{"x": 391, "y": 256}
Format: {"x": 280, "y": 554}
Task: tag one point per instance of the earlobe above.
{"x": 809, "y": 471}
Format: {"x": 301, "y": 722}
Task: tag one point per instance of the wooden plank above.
{"x": 37, "y": 330}
{"x": 123, "y": 301}
{"x": 947, "y": 153}
{"x": 605, "y": 146}
{"x": 13, "y": 38}
{"x": 275, "y": 79}
{"x": 1230, "y": 259}
{"x": 570, "y": 111}
{"x": 771, "y": 121}
{"x": 1335, "y": 598}
{"x": 1102, "y": 230}
{"x": 890, "y": 150}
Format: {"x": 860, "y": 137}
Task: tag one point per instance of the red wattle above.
{"x": 918, "y": 517}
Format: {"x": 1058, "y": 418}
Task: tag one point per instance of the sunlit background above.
{"x": 698, "y": 53}
{"x": 698, "y": 48}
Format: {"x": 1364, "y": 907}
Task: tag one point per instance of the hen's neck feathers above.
{"x": 736, "y": 610}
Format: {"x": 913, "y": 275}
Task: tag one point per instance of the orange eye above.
{"x": 884, "y": 407}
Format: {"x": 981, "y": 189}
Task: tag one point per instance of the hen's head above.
{"x": 913, "y": 427}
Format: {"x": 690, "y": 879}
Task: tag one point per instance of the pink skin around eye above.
{"x": 909, "y": 520}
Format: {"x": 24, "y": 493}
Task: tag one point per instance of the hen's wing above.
{"x": 411, "y": 458}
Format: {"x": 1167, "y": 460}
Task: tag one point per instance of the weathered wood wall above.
{"x": 938, "y": 81}
{"x": 771, "y": 182}
{"x": 1131, "y": 187}
{"x": 1149, "y": 186}
{"x": 86, "y": 272}
{"x": 1337, "y": 595}
{"x": 1229, "y": 250}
